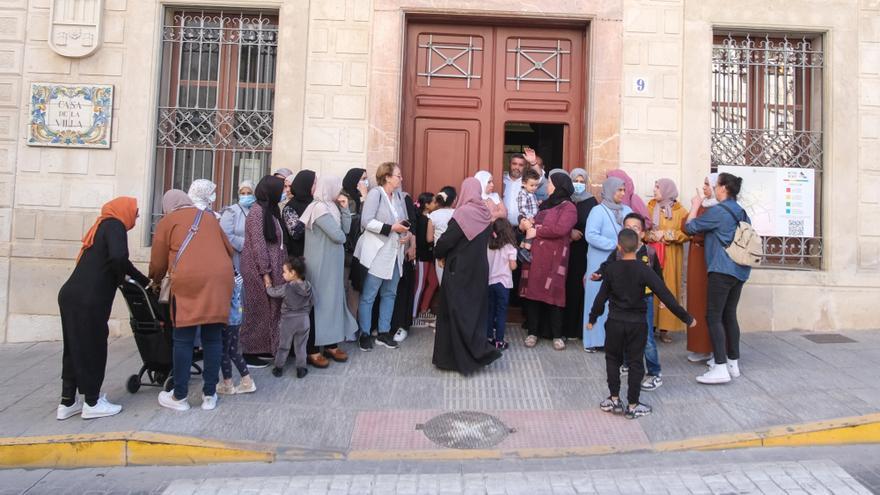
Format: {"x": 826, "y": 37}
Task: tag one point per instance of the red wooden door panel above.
{"x": 447, "y": 104}
{"x": 462, "y": 83}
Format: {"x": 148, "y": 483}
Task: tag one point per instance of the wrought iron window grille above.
{"x": 449, "y": 53}
{"x": 767, "y": 112}
{"x": 527, "y": 63}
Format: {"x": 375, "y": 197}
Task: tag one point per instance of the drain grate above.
{"x": 829, "y": 338}
{"x": 465, "y": 430}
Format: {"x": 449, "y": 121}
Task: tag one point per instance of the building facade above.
{"x": 230, "y": 89}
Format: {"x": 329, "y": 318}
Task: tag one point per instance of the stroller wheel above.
{"x": 159, "y": 377}
{"x": 133, "y": 384}
{"x": 169, "y": 384}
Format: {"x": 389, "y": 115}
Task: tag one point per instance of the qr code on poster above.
{"x": 796, "y": 228}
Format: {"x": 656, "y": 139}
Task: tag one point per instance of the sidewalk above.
{"x": 380, "y": 403}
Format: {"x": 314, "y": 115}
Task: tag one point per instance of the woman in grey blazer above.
{"x": 380, "y": 250}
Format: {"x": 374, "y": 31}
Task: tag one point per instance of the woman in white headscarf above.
{"x": 203, "y": 193}
{"x": 698, "y": 342}
{"x": 327, "y": 221}
{"x": 490, "y": 197}
{"x": 232, "y": 220}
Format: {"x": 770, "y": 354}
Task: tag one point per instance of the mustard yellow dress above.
{"x": 673, "y": 263}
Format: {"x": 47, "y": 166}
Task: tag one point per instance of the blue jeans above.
{"x": 212, "y": 347}
{"x": 387, "y": 292}
{"x": 652, "y": 358}
{"x": 499, "y": 296}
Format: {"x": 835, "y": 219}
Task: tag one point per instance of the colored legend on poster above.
{"x": 779, "y": 201}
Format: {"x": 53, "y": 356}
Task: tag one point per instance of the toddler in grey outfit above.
{"x": 294, "y": 326}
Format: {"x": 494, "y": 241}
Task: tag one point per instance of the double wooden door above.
{"x": 463, "y": 83}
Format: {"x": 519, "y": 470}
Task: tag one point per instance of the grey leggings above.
{"x": 232, "y": 353}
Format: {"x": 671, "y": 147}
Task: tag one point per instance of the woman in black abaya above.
{"x": 460, "y": 343}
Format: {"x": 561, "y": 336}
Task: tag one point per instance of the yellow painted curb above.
{"x": 145, "y": 448}
{"x": 841, "y": 431}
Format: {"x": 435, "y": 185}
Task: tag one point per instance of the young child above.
{"x": 648, "y": 255}
{"x": 426, "y": 281}
{"x": 624, "y": 284}
{"x": 294, "y": 325}
{"x": 231, "y": 350}
{"x": 502, "y": 262}
{"x": 438, "y": 220}
{"x": 527, "y": 205}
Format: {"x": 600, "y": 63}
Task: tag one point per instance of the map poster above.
{"x": 780, "y": 201}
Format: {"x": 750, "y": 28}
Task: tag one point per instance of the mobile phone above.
{"x": 405, "y": 223}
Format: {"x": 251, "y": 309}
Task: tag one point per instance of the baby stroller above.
{"x": 151, "y": 325}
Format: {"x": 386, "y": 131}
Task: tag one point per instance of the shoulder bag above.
{"x": 165, "y": 287}
{"x": 746, "y": 248}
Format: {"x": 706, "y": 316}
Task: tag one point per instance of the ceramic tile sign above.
{"x": 70, "y": 115}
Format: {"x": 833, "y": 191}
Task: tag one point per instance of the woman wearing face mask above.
{"x": 233, "y": 218}
{"x": 577, "y": 260}
{"x": 603, "y": 224}
{"x": 203, "y": 193}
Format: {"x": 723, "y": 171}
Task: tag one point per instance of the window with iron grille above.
{"x": 216, "y": 99}
{"x": 767, "y": 112}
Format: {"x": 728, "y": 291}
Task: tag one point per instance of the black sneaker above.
{"x": 387, "y": 340}
{"x": 365, "y": 342}
{"x": 614, "y": 406}
{"x": 638, "y": 411}
{"x": 302, "y": 372}
{"x": 277, "y": 371}
{"x": 254, "y": 362}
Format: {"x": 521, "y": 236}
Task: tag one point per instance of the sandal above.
{"x": 531, "y": 341}
{"x": 559, "y": 344}
{"x": 665, "y": 337}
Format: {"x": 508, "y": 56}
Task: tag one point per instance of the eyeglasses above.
{"x": 398, "y": 176}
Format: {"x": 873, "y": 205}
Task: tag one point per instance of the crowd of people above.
{"x": 304, "y": 262}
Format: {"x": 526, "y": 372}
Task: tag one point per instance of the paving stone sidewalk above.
{"x": 813, "y": 477}
{"x": 377, "y": 399}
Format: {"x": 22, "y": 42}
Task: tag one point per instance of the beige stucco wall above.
{"x": 338, "y": 105}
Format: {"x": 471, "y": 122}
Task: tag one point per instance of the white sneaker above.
{"x": 166, "y": 399}
{"x": 400, "y": 335}
{"x": 715, "y": 375}
{"x": 696, "y": 357}
{"x": 65, "y": 412}
{"x": 101, "y": 409}
{"x": 733, "y": 367}
{"x": 246, "y": 386}
{"x": 209, "y": 402}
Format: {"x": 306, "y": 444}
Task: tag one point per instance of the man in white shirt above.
{"x": 512, "y": 186}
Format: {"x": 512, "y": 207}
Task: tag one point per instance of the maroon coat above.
{"x": 544, "y": 279}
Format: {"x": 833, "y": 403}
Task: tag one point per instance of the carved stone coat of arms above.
{"x": 75, "y": 26}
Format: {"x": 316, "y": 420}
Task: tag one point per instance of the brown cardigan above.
{"x": 201, "y": 285}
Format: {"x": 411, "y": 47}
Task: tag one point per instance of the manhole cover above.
{"x": 829, "y": 338}
{"x": 465, "y": 430}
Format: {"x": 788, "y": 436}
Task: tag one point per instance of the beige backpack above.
{"x": 746, "y": 249}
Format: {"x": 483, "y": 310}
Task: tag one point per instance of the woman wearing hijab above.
{"x": 490, "y": 197}
{"x": 698, "y": 342}
{"x": 201, "y": 288}
{"x": 302, "y": 186}
{"x": 542, "y": 285}
{"x": 577, "y": 260}
{"x": 233, "y": 218}
{"x": 603, "y": 224}
{"x": 355, "y": 186}
{"x": 261, "y": 261}
{"x": 460, "y": 340}
{"x": 203, "y": 193}
{"x": 85, "y": 301}
{"x": 327, "y": 221}
{"x": 630, "y": 198}
{"x": 667, "y": 217}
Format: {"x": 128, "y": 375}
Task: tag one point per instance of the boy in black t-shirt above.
{"x": 624, "y": 284}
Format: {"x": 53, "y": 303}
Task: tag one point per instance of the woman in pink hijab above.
{"x": 460, "y": 342}
{"x": 630, "y": 198}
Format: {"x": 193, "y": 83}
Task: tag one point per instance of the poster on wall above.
{"x": 780, "y": 201}
{"x": 70, "y": 115}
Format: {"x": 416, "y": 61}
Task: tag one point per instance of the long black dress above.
{"x": 460, "y": 343}
{"x": 574, "y": 283}
{"x": 85, "y": 301}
